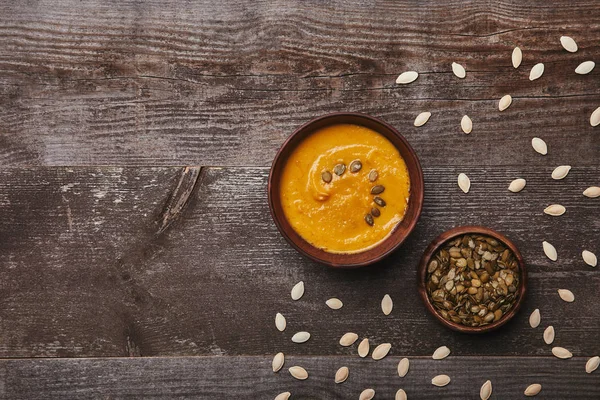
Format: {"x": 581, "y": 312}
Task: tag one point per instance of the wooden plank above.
{"x": 126, "y": 83}
{"x": 251, "y": 377}
{"x": 87, "y": 270}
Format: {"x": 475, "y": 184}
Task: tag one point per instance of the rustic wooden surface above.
{"x": 135, "y": 140}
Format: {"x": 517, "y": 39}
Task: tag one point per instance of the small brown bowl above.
{"x": 400, "y": 232}
{"x": 432, "y": 250}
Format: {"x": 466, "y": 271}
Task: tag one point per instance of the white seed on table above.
{"x": 539, "y": 145}
{"x": 568, "y": 44}
{"x": 298, "y": 372}
{"x": 363, "y": 348}
{"x": 298, "y": 290}
{"x": 403, "y": 367}
{"x": 278, "y": 361}
{"x": 589, "y": 258}
{"x": 585, "y": 67}
{"x": 466, "y": 124}
{"x": 517, "y": 57}
{"x": 486, "y": 390}
{"x": 367, "y": 394}
{"x": 556, "y": 210}
{"x": 561, "y": 352}
{"x": 549, "y": 335}
{"x": 422, "y": 118}
{"x": 561, "y": 172}
{"x": 440, "y": 353}
{"x": 400, "y": 395}
{"x": 283, "y": 396}
{"x": 300, "y": 337}
{"x": 464, "y": 183}
{"x": 592, "y": 364}
{"x": 407, "y": 77}
{"x": 504, "y": 102}
{"x": 459, "y": 70}
{"x": 334, "y": 304}
{"x": 533, "y": 389}
{"x": 387, "y": 304}
{"x": 517, "y": 185}
{"x": 535, "y": 318}
{"x": 348, "y": 339}
{"x": 381, "y": 351}
{"x": 341, "y": 375}
{"x": 566, "y": 295}
{"x": 536, "y": 72}
{"x": 592, "y": 192}
{"x": 440, "y": 380}
{"x": 280, "y": 322}
{"x": 595, "y": 117}
{"x": 549, "y": 251}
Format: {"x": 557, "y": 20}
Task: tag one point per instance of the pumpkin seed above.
{"x": 589, "y": 258}
{"x": 464, "y": 183}
{"x": 387, "y": 305}
{"x": 561, "y": 171}
{"x": 533, "y": 389}
{"x": 298, "y": 372}
{"x": 367, "y": 394}
{"x": 403, "y": 367}
{"x": 441, "y": 352}
{"x": 341, "y": 375}
{"x": 339, "y": 169}
{"x": 592, "y": 364}
{"x": 298, "y": 290}
{"x": 592, "y": 191}
{"x": 440, "y": 380}
{"x": 568, "y": 44}
{"x": 585, "y": 67}
{"x": 539, "y": 145}
{"x": 486, "y": 390}
{"x": 466, "y": 124}
{"x": 400, "y": 395}
{"x": 566, "y": 295}
{"x": 595, "y": 117}
{"x": 300, "y": 337}
{"x": 380, "y": 202}
{"x": 326, "y": 176}
{"x": 517, "y": 57}
{"x": 334, "y": 304}
{"x": 458, "y": 70}
{"x": 381, "y": 351}
{"x": 422, "y": 118}
{"x": 278, "y": 361}
{"x": 517, "y": 185}
{"x": 348, "y": 339}
{"x": 536, "y": 71}
{"x": 549, "y": 335}
{"x": 549, "y": 251}
{"x": 555, "y": 210}
{"x": 283, "y": 396}
{"x": 355, "y": 166}
{"x": 280, "y": 322}
{"x": 561, "y": 352}
{"x": 363, "y": 348}
{"x": 407, "y": 77}
{"x": 535, "y": 318}
{"x": 369, "y": 219}
{"x": 505, "y": 102}
{"x": 377, "y": 189}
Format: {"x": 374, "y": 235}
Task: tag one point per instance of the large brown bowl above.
{"x": 400, "y": 232}
{"x": 433, "y": 249}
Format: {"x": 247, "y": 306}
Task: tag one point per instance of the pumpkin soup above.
{"x": 344, "y": 188}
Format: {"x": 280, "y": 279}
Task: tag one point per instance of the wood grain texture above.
{"x": 252, "y": 378}
{"x": 157, "y": 83}
{"x": 85, "y": 270}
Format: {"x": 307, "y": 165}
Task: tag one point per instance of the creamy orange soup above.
{"x": 334, "y": 215}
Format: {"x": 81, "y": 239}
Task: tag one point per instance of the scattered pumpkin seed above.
{"x": 375, "y": 212}
{"x": 549, "y": 251}
{"x": 549, "y": 335}
{"x": 561, "y": 172}
{"x": 407, "y": 77}
{"x": 280, "y": 322}
{"x": 298, "y": 372}
{"x": 592, "y": 192}
{"x": 440, "y": 380}
{"x": 334, "y": 304}
{"x": 400, "y": 395}
{"x": 387, "y": 304}
{"x": 373, "y": 175}
{"x": 339, "y": 169}
{"x": 278, "y": 361}
{"x": 505, "y": 102}
{"x": 595, "y": 117}
{"x": 377, "y": 189}
{"x": 298, "y": 290}
{"x": 369, "y": 219}
{"x": 539, "y": 145}
{"x": 517, "y": 185}
{"x": 585, "y": 67}
{"x": 466, "y": 124}
{"x": 533, "y": 390}
{"x": 367, "y": 394}
{"x": 555, "y": 210}
{"x": 441, "y": 352}
{"x": 300, "y": 337}
{"x": 326, "y": 176}
{"x": 561, "y": 352}
{"x": 568, "y": 44}
{"x": 592, "y": 364}
{"x": 517, "y": 57}
{"x": 459, "y": 70}
{"x": 341, "y": 375}
{"x": 566, "y": 295}
{"x": 283, "y": 396}
{"x": 380, "y": 202}
{"x": 348, "y": 339}
{"x": 363, "y": 348}
{"x": 536, "y": 72}
{"x": 403, "y": 367}
{"x": 422, "y": 118}
{"x": 355, "y": 166}
{"x": 381, "y": 351}
{"x": 486, "y": 390}
{"x": 535, "y": 318}
{"x": 464, "y": 183}
{"x": 589, "y": 258}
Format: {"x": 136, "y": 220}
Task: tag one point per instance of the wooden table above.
{"x": 138, "y": 258}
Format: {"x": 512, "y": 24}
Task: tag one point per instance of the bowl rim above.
{"x": 434, "y": 247}
{"x": 341, "y": 260}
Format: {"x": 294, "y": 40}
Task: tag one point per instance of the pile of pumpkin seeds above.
{"x": 473, "y": 280}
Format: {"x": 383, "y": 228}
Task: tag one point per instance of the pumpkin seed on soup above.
{"x": 377, "y": 189}
{"x": 379, "y": 201}
{"x": 339, "y": 169}
{"x": 355, "y": 166}
{"x": 369, "y": 219}
{"x": 326, "y": 176}
{"x": 375, "y": 212}
{"x": 373, "y": 175}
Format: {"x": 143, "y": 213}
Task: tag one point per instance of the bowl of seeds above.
{"x": 472, "y": 279}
